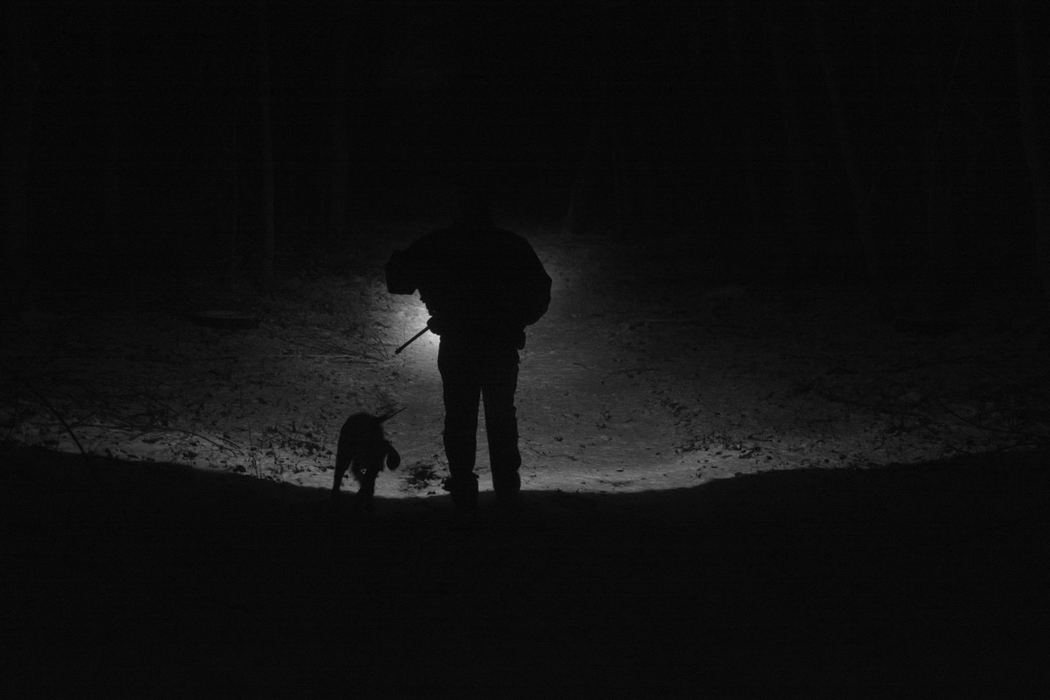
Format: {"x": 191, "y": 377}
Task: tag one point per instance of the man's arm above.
{"x": 536, "y": 289}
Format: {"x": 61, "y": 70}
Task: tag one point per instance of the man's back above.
{"x": 478, "y": 282}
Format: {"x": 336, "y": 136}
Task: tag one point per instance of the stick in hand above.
{"x": 411, "y": 340}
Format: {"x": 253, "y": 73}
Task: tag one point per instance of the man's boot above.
{"x": 464, "y": 491}
{"x": 507, "y": 485}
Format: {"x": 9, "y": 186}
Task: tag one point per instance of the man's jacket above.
{"x": 479, "y": 284}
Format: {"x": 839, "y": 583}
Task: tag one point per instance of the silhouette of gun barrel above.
{"x": 411, "y": 340}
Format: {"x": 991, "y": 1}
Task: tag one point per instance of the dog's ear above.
{"x": 393, "y": 459}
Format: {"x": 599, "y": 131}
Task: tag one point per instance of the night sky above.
{"x": 752, "y": 128}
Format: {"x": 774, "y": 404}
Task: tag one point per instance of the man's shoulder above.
{"x": 469, "y": 236}
{"x": 456, "y": 230}
{"x": 505, "y": 236}
{"x": 442, "y": 237}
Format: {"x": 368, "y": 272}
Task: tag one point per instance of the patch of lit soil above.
{"x": 650, "y": 371}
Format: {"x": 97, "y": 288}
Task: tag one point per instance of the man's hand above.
{"x": 435, "y": 326}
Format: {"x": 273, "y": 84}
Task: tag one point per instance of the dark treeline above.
{"x": 884, "y": 139}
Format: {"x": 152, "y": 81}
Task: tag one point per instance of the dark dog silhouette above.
{"x": 363, "y": 449}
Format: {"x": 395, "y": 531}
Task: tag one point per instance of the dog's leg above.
{"x": 342, "y": 463}
{"x": 366, "y": 491}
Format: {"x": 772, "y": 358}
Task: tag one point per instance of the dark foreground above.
{"x": 156, "y": 580}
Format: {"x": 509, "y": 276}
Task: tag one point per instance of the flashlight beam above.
{"x": 411, "y": 340}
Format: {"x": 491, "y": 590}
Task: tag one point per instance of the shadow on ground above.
{"x": 159, "y": 580}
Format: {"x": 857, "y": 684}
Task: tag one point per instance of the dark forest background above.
{"x": 897, "y": 142}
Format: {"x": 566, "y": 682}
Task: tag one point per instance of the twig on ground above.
{"x": 47, "y": 404}
{"x": 154, "y": 431}
{"x": 251, "y": 455}
{"x": 352, "y": 357}
{"x": 340, "y": 352}
{"x": 630, "y": 370}
{"x": 201, "y": 437}
{"x": 1041, "y": 440}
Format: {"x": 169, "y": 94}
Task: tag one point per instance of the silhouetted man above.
{"x": 481, "y": 285}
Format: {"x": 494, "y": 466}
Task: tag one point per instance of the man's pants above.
{"x": 469, "y": 372}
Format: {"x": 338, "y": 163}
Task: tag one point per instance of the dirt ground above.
{"x": 654, "y": 368}
{"x": 709, "y": 496}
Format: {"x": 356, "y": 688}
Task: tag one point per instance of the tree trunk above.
{"x": 23, "y": 78}
{"x": 597, "y": 196}
{"x": 234, "y": 170}
{"x": 578, "y": 215}
{"x": 338, "y": 219}
{"x": 111, "y": 113}
{"x": 788, "y": 91}
{"x": 268, "y": 244}
{"x": 340, "y": 175}
{"x": 1030, "y": 136}
{"x": 747, "y": 133}
{"x": 860, "y": 192}
{"x": 599, "y": 190}
{"x": 942, "y": 243}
